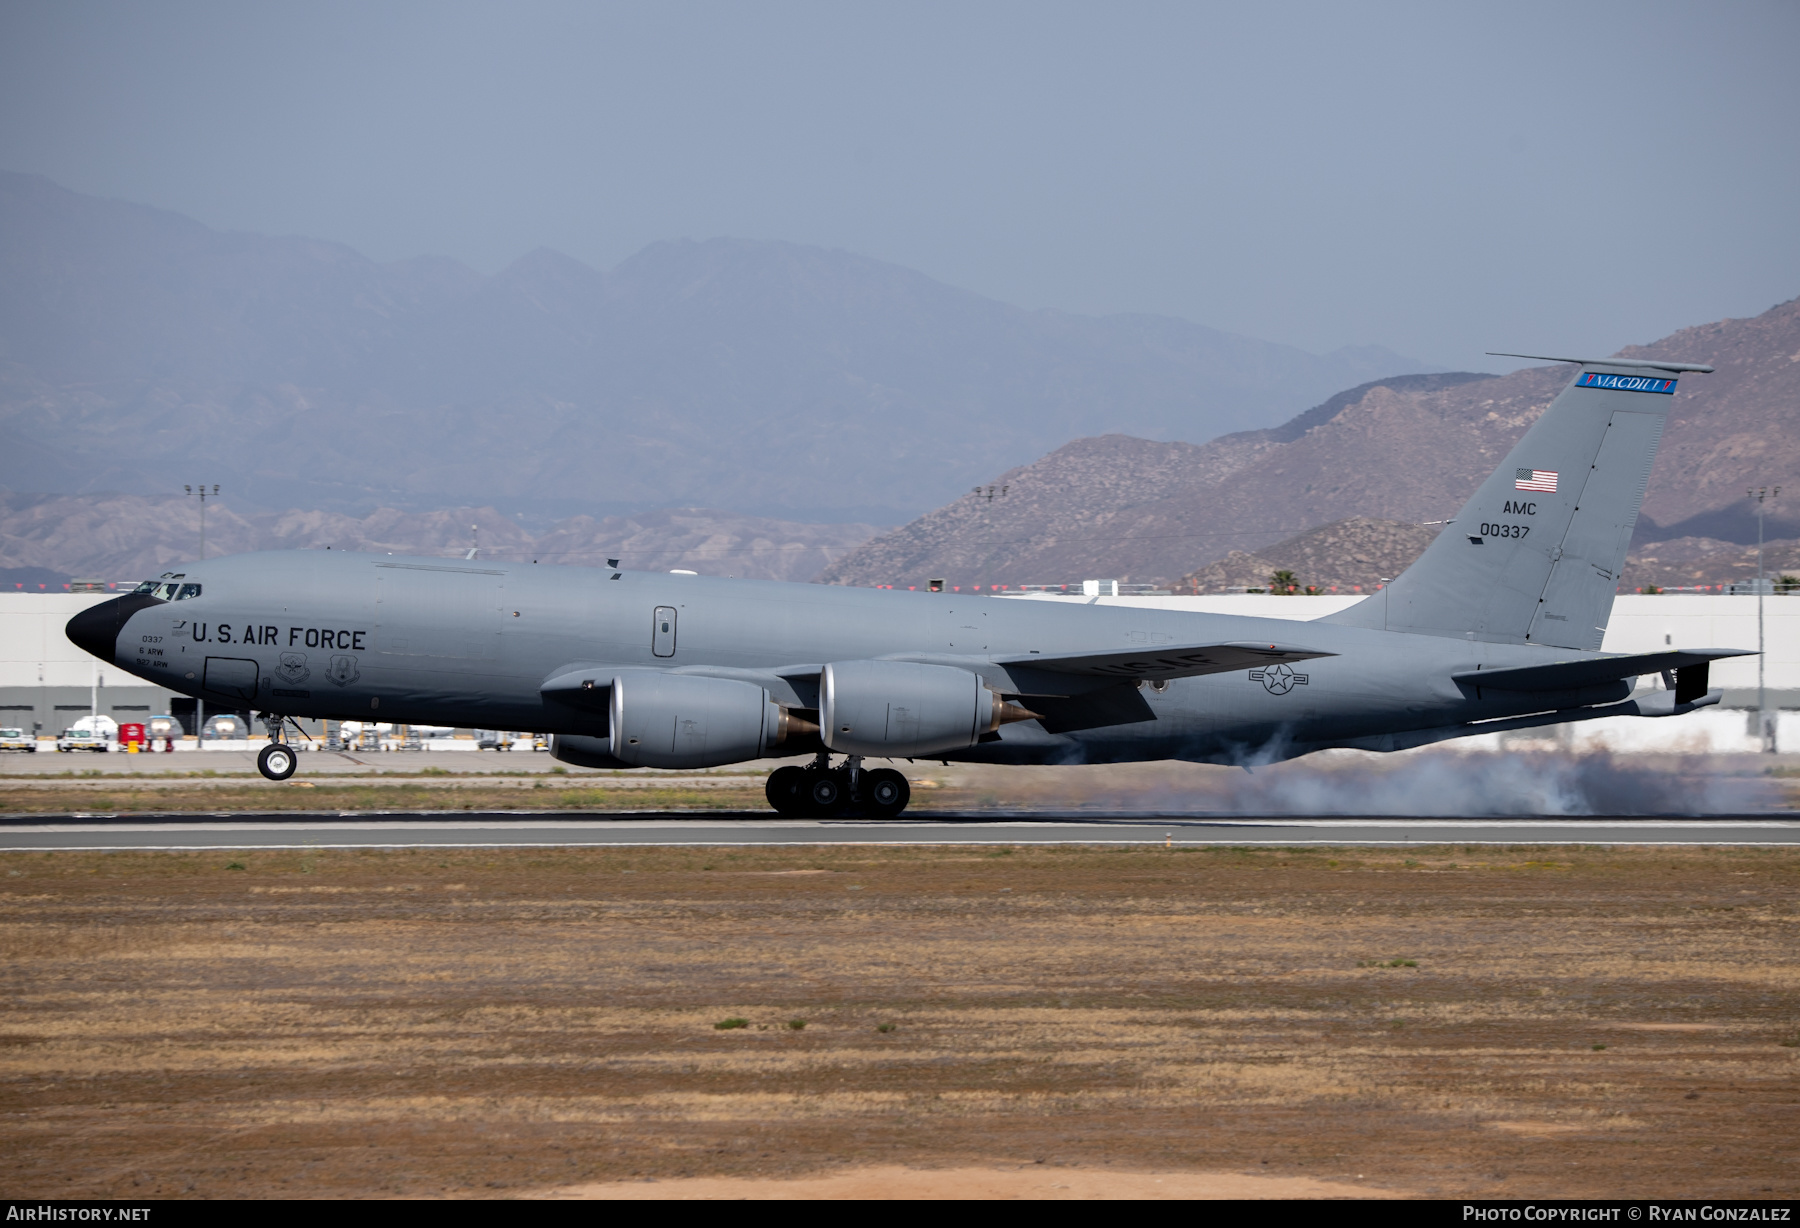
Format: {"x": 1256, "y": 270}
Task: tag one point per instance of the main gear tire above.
{"x": 826, "y": 792}
{"x": 277, "y": 761}
{"x": 885, "y": 792}
{"x": 786, "y": 790}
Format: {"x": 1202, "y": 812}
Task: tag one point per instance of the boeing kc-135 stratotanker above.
{"x": 1497, "y": 626}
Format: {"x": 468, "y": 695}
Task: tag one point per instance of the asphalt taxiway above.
{"x": 43, "y": 833}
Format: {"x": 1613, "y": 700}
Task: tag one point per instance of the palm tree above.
{"x": 1283, "y": 583}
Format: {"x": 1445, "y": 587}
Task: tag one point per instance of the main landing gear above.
{"x": 819, "y": 791}
{"x": 277, "y": 760}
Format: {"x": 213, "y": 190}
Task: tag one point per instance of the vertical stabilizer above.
{"x": 1535, "y": 556}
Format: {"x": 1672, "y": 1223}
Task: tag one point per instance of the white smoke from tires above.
{"x": 1456, "y": 785}
{"x": 1433, "y": 783}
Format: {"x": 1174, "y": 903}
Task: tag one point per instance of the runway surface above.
{"x": 42, "y": 833}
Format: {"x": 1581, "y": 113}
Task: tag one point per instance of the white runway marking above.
{"x": 534, "y": 829}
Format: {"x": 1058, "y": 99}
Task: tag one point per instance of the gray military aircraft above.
{"x": 1497, "y": 626}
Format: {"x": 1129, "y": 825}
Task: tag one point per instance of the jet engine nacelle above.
{"x": 895, "y": 709}
{"x": 585, "y": 751}
{"x": 689, "y": 721}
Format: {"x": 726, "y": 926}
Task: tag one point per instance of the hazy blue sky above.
{"x": 1441, "y": 178}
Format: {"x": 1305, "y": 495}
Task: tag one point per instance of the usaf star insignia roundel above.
{"x": 1278, "y": 679}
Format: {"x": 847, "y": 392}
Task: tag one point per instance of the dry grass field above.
{"x": 1428, "y": 782}
{"x": 183, "y": 793}
{"x": 1485, "y": 1021}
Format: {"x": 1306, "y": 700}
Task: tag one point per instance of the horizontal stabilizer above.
{"x": 1593, "y": 671}
{"x": 1168, "y": 661}
{"x": 1647, "y": 364}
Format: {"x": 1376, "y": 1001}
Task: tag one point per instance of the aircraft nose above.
{"x": 96, "y": 629}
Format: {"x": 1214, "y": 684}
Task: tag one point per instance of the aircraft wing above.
{"x": 1166, "y": 660}
{"x": 1593, "y": 671}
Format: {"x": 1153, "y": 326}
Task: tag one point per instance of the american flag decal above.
{"x": 1536, "y": 479}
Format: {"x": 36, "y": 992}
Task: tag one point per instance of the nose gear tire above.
{"x": 277, "y": 761}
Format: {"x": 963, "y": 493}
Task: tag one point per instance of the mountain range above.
{"x": 757, "y": 409}
{"x": 1355, "y": 555}
{"x": 140, "y": 349}
{"x": 1408, "y": 449}
{"x": 45, "y": 540}
{"x": 1351, "y": 556}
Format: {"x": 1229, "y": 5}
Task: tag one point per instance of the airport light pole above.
{"x": 1765, "y": 724}
{"x": 201, "y": 490}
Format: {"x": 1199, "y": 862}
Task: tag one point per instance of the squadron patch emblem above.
{"x": 343, "y": 671}
{"x": 1278, "y": 679}
{"x": 292, "y": 669}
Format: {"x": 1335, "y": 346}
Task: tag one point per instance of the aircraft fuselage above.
{"x": 328, "y": 634}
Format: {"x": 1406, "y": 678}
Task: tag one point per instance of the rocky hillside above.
{"x": 1350, "y": 556}
{"x": 125, "y": 537}
{"x": 1058, "y": 518}
{"x": 137, "y": 346}
{"x": 1397, "y": 450}
{"x": 1687, "y": 562}
{"x": 1355, "y": 555}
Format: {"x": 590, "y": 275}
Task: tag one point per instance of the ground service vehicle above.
{"x": 83, "y": 739}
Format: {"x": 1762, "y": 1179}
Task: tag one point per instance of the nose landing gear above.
{"x": 277, "y": 760}
{"x": 820, "y": 791}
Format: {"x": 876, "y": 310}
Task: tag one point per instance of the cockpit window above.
{"x": 168, "y": 587}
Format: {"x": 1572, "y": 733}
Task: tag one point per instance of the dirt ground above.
{"x": 915, "y": 1021}
{"x": 1036, "y": 1182}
